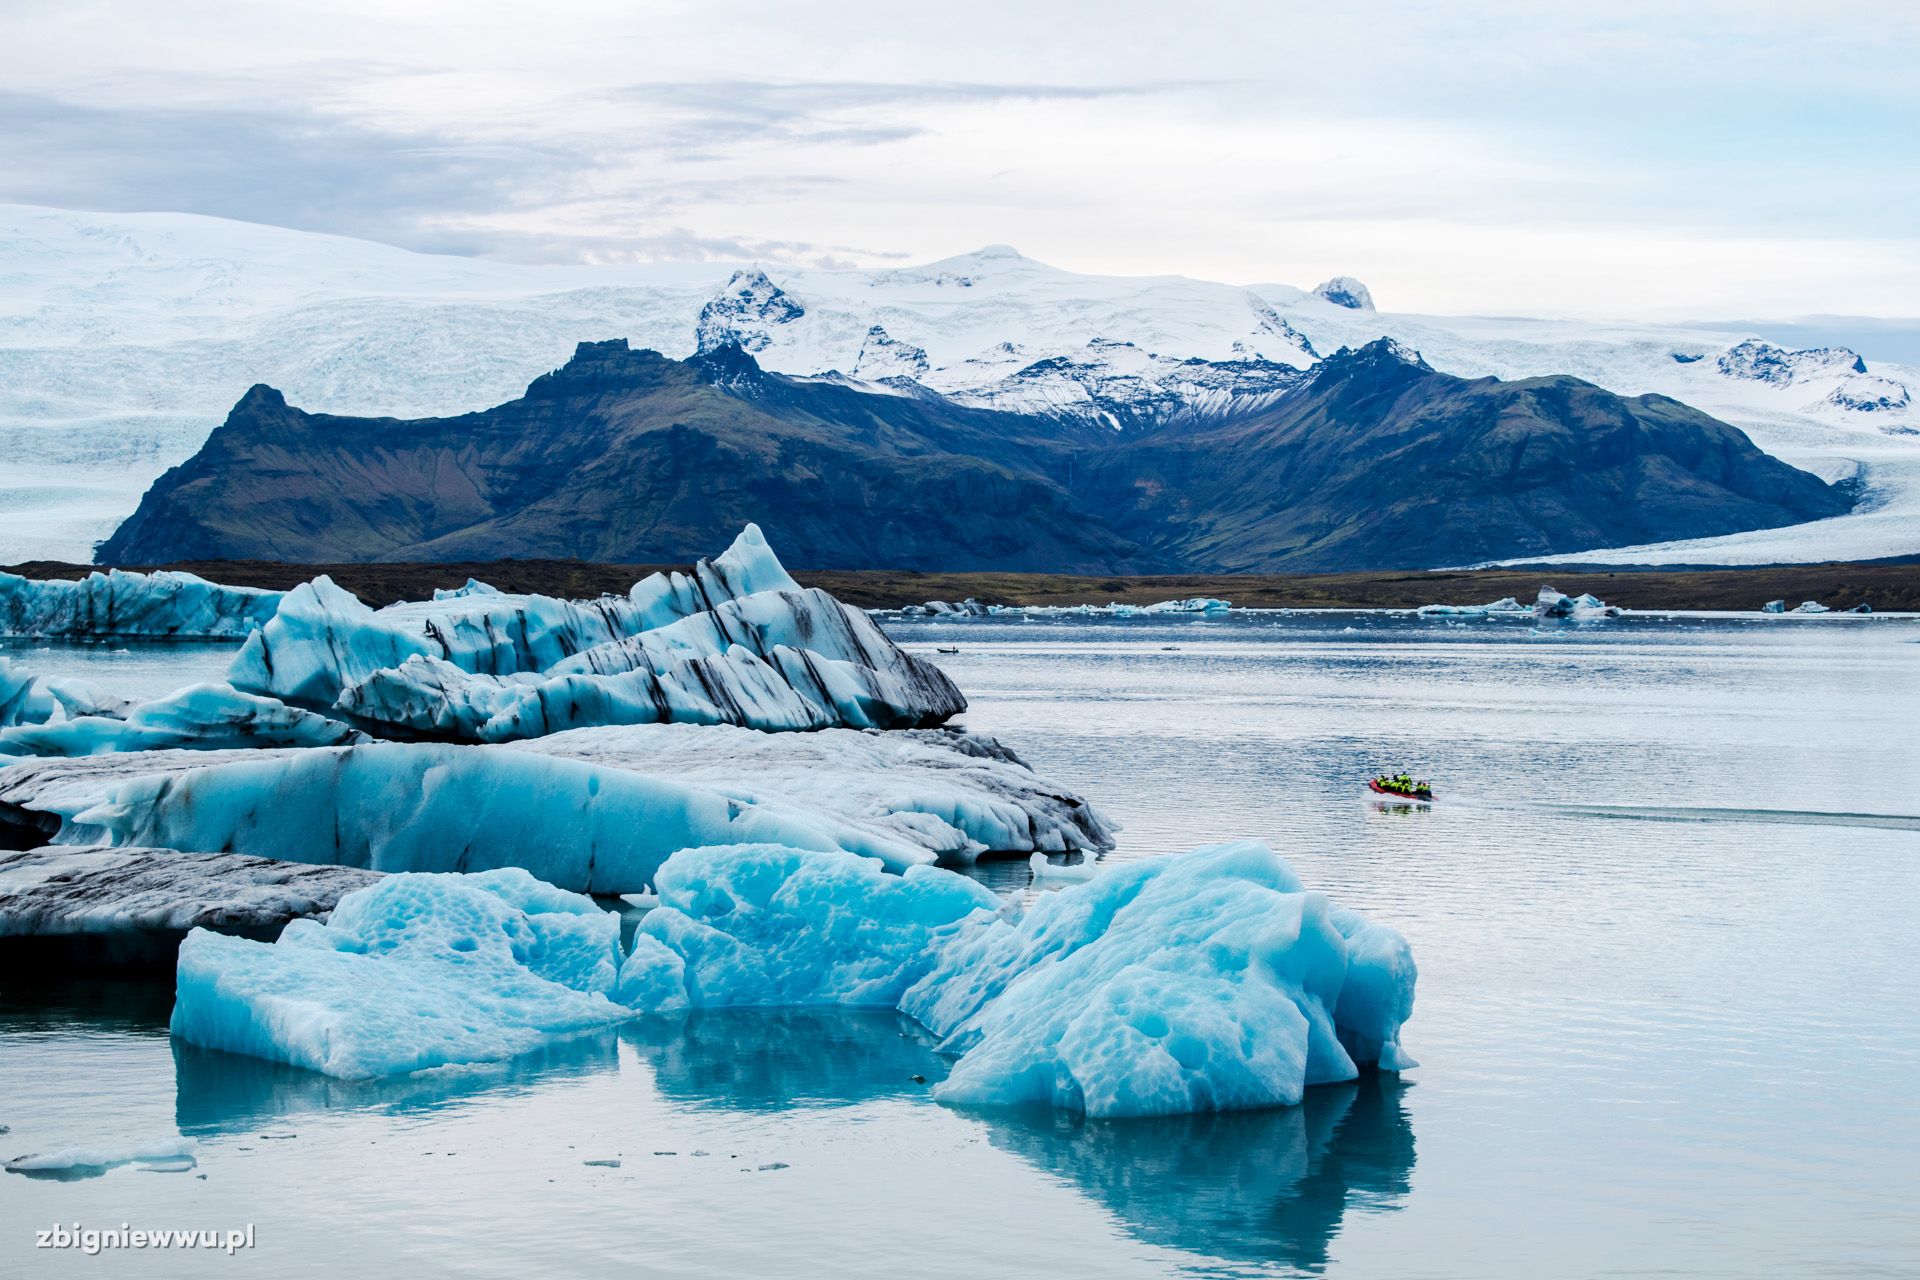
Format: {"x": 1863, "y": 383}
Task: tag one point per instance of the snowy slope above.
{"x": 124, "y": 338}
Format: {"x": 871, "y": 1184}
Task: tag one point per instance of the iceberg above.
{"x": 323, "y": 638}
{"x": 119, "y": 604}
{"x": 168, "y": 1153}
{"x": 1774, "y": 606}
{"x": 202, "y": 717}
{"x": 1209, "y": 981}
{"x": 1504, "y": 605}
{"x": 1198, "y": 982}
{"x": 595, "y": 810}
{"x": 79, "y": 697}
{"x": 411, "y": 972}
{"x": 1114, "y": 609}
{"x": 773, "y": 660}
{"x": 738, "y": 642}
{"x": 958, "y": 795}
{"x": 765, "y": 925}
{"x": 1810, "y": 606}
{"x": 1581, "y": 608}
{"x": 23, "y": 699}
{"x": 433, "y": 807}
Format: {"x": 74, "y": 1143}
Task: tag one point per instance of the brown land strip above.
{"x": 1885, "y": 587}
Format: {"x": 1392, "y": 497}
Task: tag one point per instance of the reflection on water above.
{"x": 1243, "y": 1187}
{"x": 781, "y": 1059}
{"x": 217, "y": 1092}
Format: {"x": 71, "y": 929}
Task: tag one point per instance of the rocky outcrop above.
{"x": 94, "y": 907}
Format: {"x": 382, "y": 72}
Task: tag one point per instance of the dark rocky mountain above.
{"x": 1372, "y": 460}
{"x": 1379, "y": 461}
{"x": 629, "y": 456}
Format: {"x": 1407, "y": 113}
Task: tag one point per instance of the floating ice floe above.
{"x": 202, "y": 717}
{"x": 1811, "y": 606}
{"x": 120, "y": 907}
{"x": 593, "y": 811}
{"x": 412, "y": 972}
{"x": 1581, "y": 608}
{"x": 1197, "y": 982}
{"x": 1194, "y": 605}
{"x": 1774, "y": 606}
{"x": 118, "y": 604}
{"x": 972, "y": 608}
{"x": 170, "y": 1153}
{"x": 1505, "y": 606}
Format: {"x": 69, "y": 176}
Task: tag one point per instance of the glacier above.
{"x": 164, "y": 605}
{"x": 1207, "y": 981}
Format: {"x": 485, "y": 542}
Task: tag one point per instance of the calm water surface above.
{"x": 1663, "y": 913}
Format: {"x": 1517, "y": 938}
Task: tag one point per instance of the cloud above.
{"x": 291, "y": 167}
{"x": 1239, "y": 139}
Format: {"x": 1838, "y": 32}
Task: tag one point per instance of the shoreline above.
{"x": 1886, "y": 588}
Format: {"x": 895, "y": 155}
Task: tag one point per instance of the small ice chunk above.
{"x": 170, "y": 1151}
{"x": 1045, "y": 868}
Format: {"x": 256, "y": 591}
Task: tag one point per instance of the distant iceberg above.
{"x": 1581, "y": 608}
{"x": 118, "y": 604}
{"x": 1208, "y": 981}
{"x": 1504, "y": 606}
{"x": 972, "y": 608}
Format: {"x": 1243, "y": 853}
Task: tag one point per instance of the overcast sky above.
{"x": 1594, "y": 158}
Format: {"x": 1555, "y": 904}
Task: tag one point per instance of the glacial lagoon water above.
{"x": 1667, "y": 1023}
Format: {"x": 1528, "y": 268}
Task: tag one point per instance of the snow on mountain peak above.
{"x": 1345, "y": 291}
{"x": 1763, "y": 361}
{"x": 884, "y": 356}
{"x": 744, "y": 313}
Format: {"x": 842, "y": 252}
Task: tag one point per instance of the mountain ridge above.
{"x": 629, "y": 455}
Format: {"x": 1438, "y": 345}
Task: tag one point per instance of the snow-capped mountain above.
{"x": 124, "y": 338}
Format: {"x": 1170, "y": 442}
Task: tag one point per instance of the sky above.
{"x": 1627, "y": 159}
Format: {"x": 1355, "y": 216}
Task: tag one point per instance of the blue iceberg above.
{"x": 1209, "y": 981}
{"x": 412, "y": 972}
{"x": 202, "y": 717}
{"x": 738, "y": 642}
{"x": 122, "y": 605}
